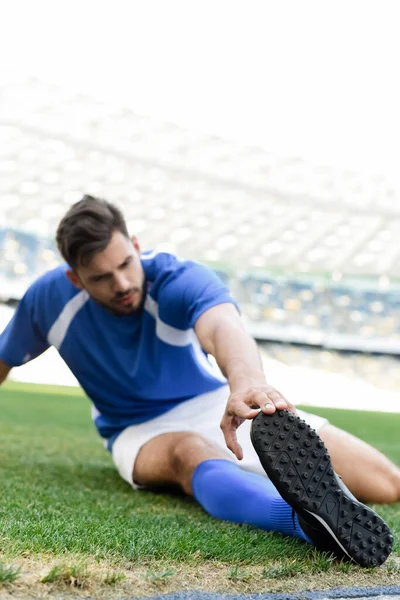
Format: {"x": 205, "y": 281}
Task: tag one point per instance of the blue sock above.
{"x": 229, "y": 493}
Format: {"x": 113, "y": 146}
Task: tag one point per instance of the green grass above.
{"x": 8, "y": 574}
{"x": 76, "y": 574}
{"x": 61, "y": 495}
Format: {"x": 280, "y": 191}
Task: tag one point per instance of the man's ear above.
{"x": 74, "y": 279}
{"x": 135, "y": 243}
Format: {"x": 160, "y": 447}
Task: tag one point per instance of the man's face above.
{"x": 114, "y": 278}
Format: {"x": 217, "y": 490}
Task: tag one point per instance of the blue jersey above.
{"x": 133, "y": 367}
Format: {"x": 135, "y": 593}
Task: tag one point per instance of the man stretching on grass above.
{"x": 136, "y": 329}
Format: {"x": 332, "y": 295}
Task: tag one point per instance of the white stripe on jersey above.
{"x": 59, "y": 329}
{"x": 152, "y": 253}
{"x": 167, "y": 333}
{"x": 210, "y": 367}
{"x": 181, "y": 337}
{"x": 149, "y": 254}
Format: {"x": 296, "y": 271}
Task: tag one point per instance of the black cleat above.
{"x": 298, "y": 464}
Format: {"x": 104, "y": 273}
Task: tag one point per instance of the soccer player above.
{"x": 137, "y": 329}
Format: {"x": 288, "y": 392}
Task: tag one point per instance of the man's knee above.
{"x": 369, "y": 475}
{"x": 188, "y": 452}
{"x": 390, "y": 486}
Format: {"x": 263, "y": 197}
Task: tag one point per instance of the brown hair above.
{"x": 86, "y": 229}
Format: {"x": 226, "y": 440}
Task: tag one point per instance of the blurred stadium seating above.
{"x": 311, "y": 252}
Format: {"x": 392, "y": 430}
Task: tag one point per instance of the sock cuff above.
{"x": 208, "y": 465}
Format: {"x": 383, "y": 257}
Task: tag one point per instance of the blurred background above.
{"x": 260, "y": 138}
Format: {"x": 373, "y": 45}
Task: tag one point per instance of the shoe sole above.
{"x": 298, "y": 464}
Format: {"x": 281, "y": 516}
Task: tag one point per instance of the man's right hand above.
{"x": 247, "y": 404}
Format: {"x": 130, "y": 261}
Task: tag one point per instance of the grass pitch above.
{"x": 68, "y": 520}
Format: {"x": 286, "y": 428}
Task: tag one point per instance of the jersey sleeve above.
{"x": 191, "y": 290}
{"x": 22, "y": 339}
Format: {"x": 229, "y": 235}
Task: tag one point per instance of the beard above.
{"x": 120, "y": 310}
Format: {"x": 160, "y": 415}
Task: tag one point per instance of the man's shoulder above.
{"x": 54, "y": 284}
{"x": 160, "y": 258}
{"x": 56, "y": 274}
{"x": 46, "y": 298}
{"x": 157, "y": 263}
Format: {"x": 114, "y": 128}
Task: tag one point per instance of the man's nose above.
{"x": 121, "y": 283}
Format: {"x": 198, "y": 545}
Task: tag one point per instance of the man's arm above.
{"x": 4, "y": 371}
{"x": 221, "y": 333}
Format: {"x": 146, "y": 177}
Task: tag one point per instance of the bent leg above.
{"x": 221, "y": 487}
{"x": 368, "y": 474}
{"x": 171, "y": 458}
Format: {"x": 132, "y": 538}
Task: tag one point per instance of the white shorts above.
{"x": 202, "y": 415}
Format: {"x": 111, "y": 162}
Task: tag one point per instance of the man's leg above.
{"x": 221, "y": 487}
{"x": 368, "y": 474}
{"x": 171, "y": 459}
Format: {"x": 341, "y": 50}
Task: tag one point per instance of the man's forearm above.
{"x": 221, "y": 333}
{"x": 237, "y": 356}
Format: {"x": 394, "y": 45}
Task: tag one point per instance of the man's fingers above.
{"x": 272, "y": 401}
{"x": 268, "y": 400}
{"x": 277, "y": 398}
{"x": 247, "y": 405}
{"x": 229, "y": 425}
{"x": 232, "y": 443}
{"x": 242, "y": 411}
